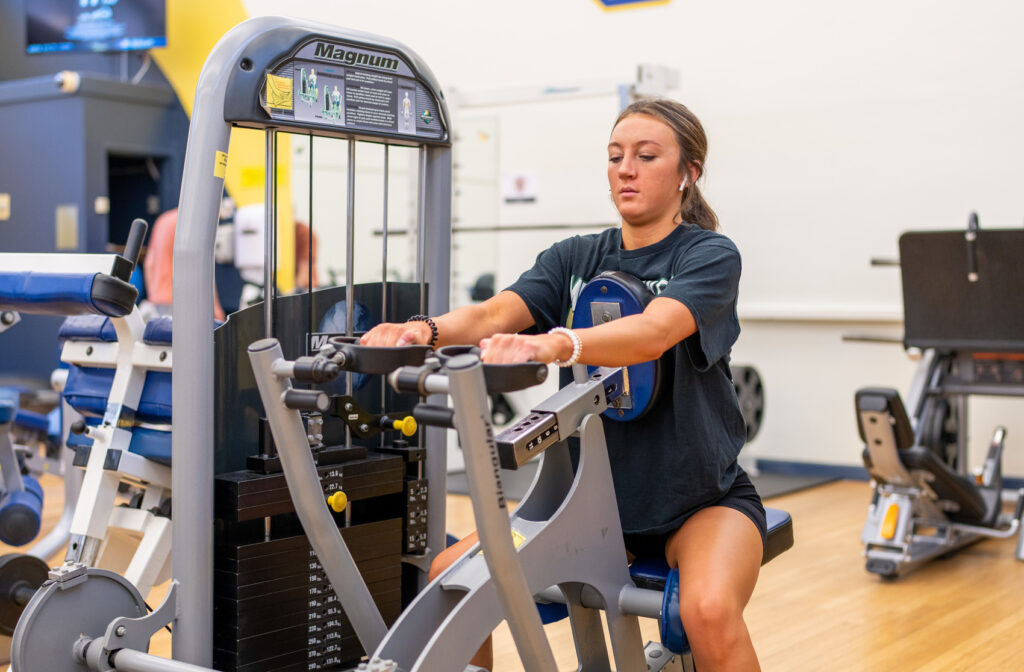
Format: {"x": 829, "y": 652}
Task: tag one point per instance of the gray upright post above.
{"x": 202, "y": 185}
{"x": 437, "y": 248}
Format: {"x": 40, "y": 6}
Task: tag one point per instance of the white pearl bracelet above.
{"x": 577, "y": 346}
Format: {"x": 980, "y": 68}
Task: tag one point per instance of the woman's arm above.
{"x": 622, "y": 342}
{"x": 503, "y": 312}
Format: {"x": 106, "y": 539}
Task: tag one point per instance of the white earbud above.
{"x": 682, "y": 185}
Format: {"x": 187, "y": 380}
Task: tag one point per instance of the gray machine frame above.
{"x": 257, "y": 41}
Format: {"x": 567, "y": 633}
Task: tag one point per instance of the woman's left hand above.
{"x": 516, "y": 348}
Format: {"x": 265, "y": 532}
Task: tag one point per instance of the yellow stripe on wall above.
{"x": 193, "y": 29}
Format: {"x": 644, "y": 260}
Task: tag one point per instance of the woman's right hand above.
{"x": 389, "y": 334}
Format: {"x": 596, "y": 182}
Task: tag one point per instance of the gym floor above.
{"x": 816, "y": 608}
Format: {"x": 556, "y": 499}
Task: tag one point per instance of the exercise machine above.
{"x": 964, "y": 311}
{"x": 565, "y": 516}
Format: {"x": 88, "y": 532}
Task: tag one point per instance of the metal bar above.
{"x": 469, "y": 393}
{"x": 421, "y": 223}
{"x": 513, "y": 228}
{"x": 350, "y": 208}
{"x": 310, "y": 217}
{"x": 129, "y": 660}
{"x": 270, "y": 231}
{"x": 307, "y": 495}
{"x": 384, "y": 271}
{"x": 350, "y": 255}
{"x": 980, "y": 389}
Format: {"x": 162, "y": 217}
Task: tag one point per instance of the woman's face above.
{"x": 643, "y": 170}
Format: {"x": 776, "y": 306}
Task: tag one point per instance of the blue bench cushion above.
{"x": 158, "y": 331}
{"x": 87, "y": 328}
{"x": 88, "y": 388}
{"x": 65, "y": 293}
{"x": 651, "y": 572}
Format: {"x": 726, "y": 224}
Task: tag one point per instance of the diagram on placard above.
{"x": 406, "y": 110}
{"x": 319, "y": 93}
{"x": 309, "y": 92}
{"x": 332, "y": 103}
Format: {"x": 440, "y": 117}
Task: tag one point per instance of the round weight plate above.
{"x": 55, "y": 619}
{"x": 750, "y": 393}
{"x": 610, "y": 295}
{"x": 17, "y": 570}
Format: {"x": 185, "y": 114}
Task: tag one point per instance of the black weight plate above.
{"x": 750, "y": 393}
{"x": 17, "y": 570}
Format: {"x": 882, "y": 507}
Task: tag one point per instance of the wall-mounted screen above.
{"x": 94, "y": 25}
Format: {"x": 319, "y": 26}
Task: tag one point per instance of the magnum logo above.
{"x": 331, "y": 52}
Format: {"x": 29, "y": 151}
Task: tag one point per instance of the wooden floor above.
{"x": 815, "y": 608}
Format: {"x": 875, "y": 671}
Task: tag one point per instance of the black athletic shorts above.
{"x": 742, "y": 496}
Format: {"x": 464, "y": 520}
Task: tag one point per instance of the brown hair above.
{"x": 693, "y": 149}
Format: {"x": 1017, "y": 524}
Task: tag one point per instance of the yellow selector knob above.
{"x": 407, "y": 426}
{"x": 338, "y": 501}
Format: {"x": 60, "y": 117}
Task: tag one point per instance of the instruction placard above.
{"x": 279, "y": 92}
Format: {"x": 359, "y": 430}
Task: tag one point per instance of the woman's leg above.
{"x": 718, "y": 552}
{"x": 484, "y": 657}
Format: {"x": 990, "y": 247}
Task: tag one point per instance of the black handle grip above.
{"x": 512, "y": 377}
{"x": 136, "y": 235}
{"x": 437, "y": 416}
{"x": 124, "y": 264}
{"x": 306, "y": 400}
{"x": 377, "y": 360}
{"x": 78, "y": 427}
{"x": 315, "y": 370}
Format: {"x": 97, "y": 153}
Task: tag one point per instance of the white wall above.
{"x": 833, "y": 127}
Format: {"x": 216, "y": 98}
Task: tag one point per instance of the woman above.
{"x": 706, "y": 518}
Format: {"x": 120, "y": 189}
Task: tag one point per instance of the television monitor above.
{"x": 94, "y": 25}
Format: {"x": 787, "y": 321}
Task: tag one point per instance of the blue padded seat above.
{"x": 158, "y": 331}
{"x": 88, "y": 388}
{"x": 96, "y": 328}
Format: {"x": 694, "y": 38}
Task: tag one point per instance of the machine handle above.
{"x": 306, "y": 400}
{"x": 371, "y": 359}
{"x": 972, "y": 253}
{"x": 124, "y": 264}
{"x": 315, "y": 370}
{"x": 437, "y": 416}
{"x": 133, "y": 246}
{"x": 512, "y": 377}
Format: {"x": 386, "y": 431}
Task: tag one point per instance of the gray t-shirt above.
{"x": 681, "y": 455}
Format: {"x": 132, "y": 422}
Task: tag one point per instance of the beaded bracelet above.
{"x": 430, "y": 323}
{"x": 577, "y": 346}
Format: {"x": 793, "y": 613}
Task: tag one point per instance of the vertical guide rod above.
{"x": 384, "y": 272}
{"x": 350, "y": 290}
{"x": 421, "y": 224}
{"x": 309, "y": 287}
{"x": 270, "y": 231}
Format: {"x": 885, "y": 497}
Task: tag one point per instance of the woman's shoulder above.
{"x": 697, "y": 239}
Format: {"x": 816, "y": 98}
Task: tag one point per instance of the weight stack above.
{"x": 414, "y": 525}
{"x": 274, "y": 608}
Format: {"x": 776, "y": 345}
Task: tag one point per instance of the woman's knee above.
{"x": 708, "y": 613}
{"x": 448, "y": 556}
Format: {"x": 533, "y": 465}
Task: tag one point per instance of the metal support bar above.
{"x": 270, "y": 231}
{"x": 469, "y": 391}
{"x": 308, "y": 496}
